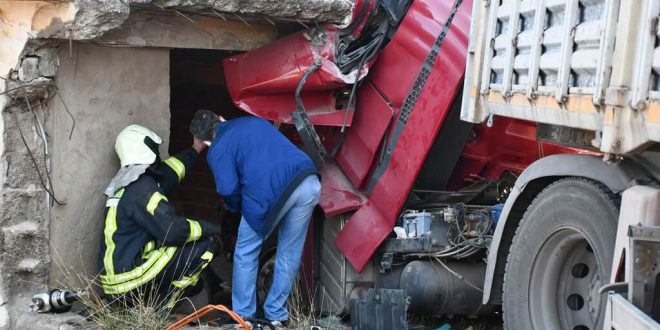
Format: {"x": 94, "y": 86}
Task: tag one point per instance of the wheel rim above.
{"x": 564, "y": 283}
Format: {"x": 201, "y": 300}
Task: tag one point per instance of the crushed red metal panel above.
{"x": 363, "y": 140}
{"x": 402, "y": 59}
{"x": 338, "y": 195}
{"x": 263, "y": 80}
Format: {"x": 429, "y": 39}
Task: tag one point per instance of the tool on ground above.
{"x": 54, "y": 301}
{"x": 258, "y": 324}
{"x": 204, "y": 310}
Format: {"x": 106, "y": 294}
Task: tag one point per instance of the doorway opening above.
{"x": 197, "y": 82}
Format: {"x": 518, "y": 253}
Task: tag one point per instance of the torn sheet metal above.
{"x": 263, "y": 82}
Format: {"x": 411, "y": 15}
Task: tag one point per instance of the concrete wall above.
{"x": 106, "y": 89}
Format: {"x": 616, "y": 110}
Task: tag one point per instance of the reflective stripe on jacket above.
{"x": 142, "y": 230}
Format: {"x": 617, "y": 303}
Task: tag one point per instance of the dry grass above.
{"x": 302, "y": 315}
{"x": 139, "y": 309}
{"x": 142, "y": 310}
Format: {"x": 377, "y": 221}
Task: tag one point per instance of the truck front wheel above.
{"x": 560, "y": 257}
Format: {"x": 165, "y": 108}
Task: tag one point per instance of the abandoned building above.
{"x": 72, "y": 75}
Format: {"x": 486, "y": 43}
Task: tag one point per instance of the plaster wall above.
{"x": 105, "y": 89}
{"x": 21, "y": 20}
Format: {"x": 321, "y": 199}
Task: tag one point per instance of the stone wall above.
{"x": 24, "y": 252}
{"x": 24, "y": 217}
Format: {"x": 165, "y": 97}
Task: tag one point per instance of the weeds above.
{"x": 140, "y": 311}
{"x": 141, "y": 308}
{"x": 302, "y": 315}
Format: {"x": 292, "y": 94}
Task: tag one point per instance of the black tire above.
{"x": 560, "y": 256}
{"x": 266, "y": 273}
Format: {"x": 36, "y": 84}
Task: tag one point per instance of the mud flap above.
{"x": 382, "y": 309}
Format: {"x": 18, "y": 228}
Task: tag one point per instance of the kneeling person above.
{"x": 147, "y": 247}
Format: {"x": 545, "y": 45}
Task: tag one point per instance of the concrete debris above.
{"x": 34, "y": 75}
{"x": 335, "y": 11}
{"x": 96, "y": 17}
{"x": 29, "y": 69}
{"x": 48, "y": 61}
{"x": 37, "y": 88}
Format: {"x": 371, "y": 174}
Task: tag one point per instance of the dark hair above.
{"x": 203, "y": 124}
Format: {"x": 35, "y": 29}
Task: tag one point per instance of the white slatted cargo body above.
{"x": 587, "y": 64}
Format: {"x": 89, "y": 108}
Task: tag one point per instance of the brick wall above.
{"x": 196, "y": 196}
{"x": 197, "y": 82}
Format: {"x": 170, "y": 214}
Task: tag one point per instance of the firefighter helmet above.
{"x": 137, "y": 145}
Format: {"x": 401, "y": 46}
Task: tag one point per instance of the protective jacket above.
{"x": 256, "y": 169}
{"x": 142, "y": 231}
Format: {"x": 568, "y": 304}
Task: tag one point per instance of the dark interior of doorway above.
{"x": 197, "y": 81}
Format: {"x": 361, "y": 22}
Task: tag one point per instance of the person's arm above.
{"x": 225, "y": 172}
{"x": 174, "y": 169}
{"x": 233, "y": 202}
{"x": 157, "y": 215}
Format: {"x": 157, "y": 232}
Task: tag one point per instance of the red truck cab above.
{"x": 377, "y": 105}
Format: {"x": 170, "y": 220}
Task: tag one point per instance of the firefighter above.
{"x": 261, "y": 174}
{"x": 147, "y": 249}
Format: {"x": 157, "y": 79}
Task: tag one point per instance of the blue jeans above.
{"x": 293, "y": 222}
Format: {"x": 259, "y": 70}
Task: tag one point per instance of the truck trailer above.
{"x": 476, "y": 157}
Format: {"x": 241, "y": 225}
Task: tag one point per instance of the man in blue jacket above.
{"x": 261, "y": 174}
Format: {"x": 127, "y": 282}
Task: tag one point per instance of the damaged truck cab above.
{"x": 460, "y": 145}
